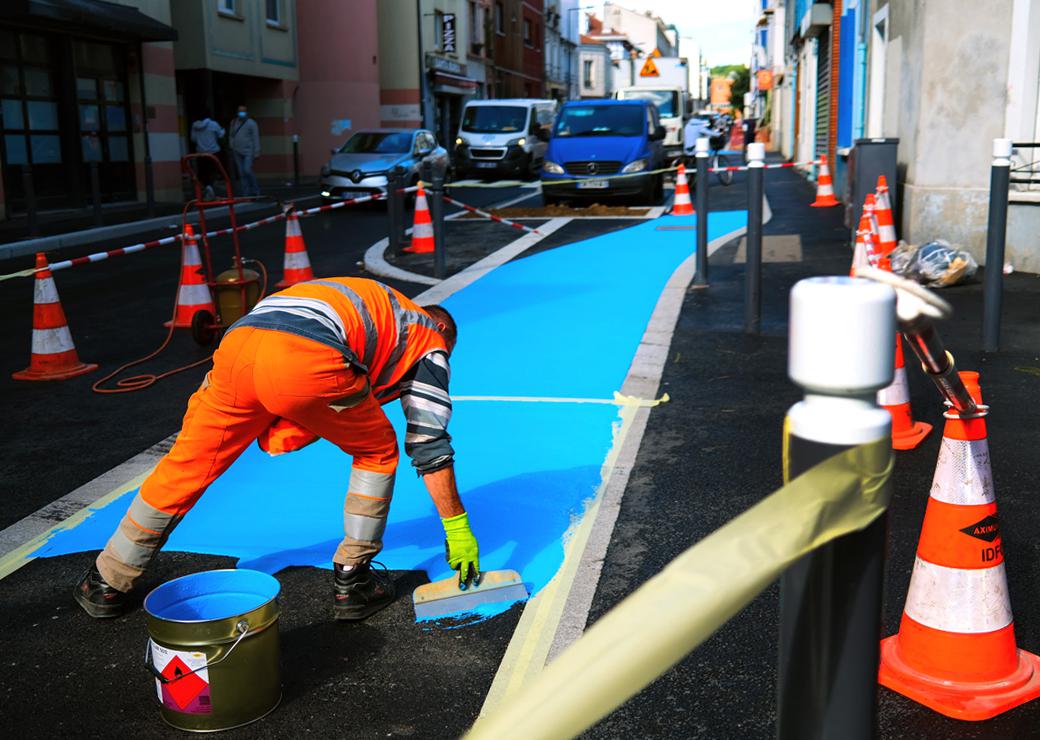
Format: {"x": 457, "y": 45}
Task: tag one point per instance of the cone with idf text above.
{"x": 824, "y": 187}
{"x": 682, "y": 206}
{"x": 906, "y": 433}
{"x": 54, "y": 356}
{"x": 885, "y": 223}
{"x": 955, "y": 651}
{"x": 193, "y": 294}
{"x": 297, "y": 265}
{"x": 422, "y": 227}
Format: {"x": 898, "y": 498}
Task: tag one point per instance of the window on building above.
{"x": 228, "y": 6}
{"x": 500, "y": 19}
{"x": 587, "y": 80}
{"x": 274, "y": 12}
{"x": 528, "y": 37}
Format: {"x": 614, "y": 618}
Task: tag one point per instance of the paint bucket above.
{"x": 213, "y": 648}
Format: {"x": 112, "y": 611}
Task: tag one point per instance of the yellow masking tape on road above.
{"x": 698, "y": 592}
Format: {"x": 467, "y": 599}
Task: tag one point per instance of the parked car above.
{"x": 595, "y": 139}
{"x": 360, "y": 166}
{"x": 505, "y": 137}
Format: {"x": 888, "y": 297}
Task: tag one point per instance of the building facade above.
{"x": 645, "y": 31}
{"x": 83, "y": 95}
{"x": 518, "y": 65}
{"x": 562, "y": 38}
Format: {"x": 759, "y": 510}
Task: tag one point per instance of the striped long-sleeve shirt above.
{"x": 427, "y": 410}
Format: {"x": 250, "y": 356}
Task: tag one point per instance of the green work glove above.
{"x": 461, "y": 549}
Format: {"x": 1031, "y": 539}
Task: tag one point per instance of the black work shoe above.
{"x": 97, "y": 598}
{"x": 361, "y": 592}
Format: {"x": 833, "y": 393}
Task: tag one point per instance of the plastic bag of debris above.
{"x": 937, "y": 264}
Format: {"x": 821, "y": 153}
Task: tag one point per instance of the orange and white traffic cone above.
{"x": 864, "y": 248}
{"x": 955, "y": 651}
{"x": 422, "y": 227}
{"x": 682, "y": 206}
{"x": 906, "y": 433}
{"x": 824, "y": 187}
{"x": 870, "y": 212}
{"x": 885, "y": 223}
{"x": 54, "y": 356}
{"x": 296, "y": 265}
{"x": 193, "y": 294}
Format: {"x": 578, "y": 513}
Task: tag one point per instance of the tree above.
{"x": 741, "y": 76}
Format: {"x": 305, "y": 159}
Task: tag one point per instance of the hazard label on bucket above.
{"x": 184, "y": 691}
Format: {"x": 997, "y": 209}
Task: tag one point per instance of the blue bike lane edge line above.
{"x": 525, "y": 491}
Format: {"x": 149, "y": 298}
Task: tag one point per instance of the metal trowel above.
{"x": 444, "y": 597}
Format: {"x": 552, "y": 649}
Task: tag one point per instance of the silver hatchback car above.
{"x": 360, "y": 166}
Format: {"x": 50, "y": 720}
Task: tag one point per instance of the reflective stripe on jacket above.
{"x": 378, "y": 329}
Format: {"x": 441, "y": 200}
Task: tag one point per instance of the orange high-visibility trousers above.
{"x": 260, "y": 376}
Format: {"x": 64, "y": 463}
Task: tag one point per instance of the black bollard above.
{"x": 700, "y": 279}
{"x": 394, "y": 210}
{"x": 753, "y": 273}
{"x": 996, "y": 236}
{"x": 437, "y": 216}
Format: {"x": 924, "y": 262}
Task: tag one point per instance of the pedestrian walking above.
{"x": 244, "y": 139}
{"x": 317, "y": 359}
{"x": 205, "y": 135}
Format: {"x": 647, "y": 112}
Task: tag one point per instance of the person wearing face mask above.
{"x": 244, "y": 138}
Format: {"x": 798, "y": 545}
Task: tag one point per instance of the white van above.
{"x": 505, "y": 137}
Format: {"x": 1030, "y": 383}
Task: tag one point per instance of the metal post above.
{"x": 437, "y": 216}
{"x": 756, "y": 154}
{"x": 394, "y": 210}
{"x": 95, "y": 193}
{"x": 31, "y": 223}
{"x": 842, "y": 342}
{"x": 700, "y": 279}
{"x": 296, "y": 159}
{"x": 996, "y": 235}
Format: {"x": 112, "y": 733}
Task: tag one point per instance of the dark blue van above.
{"x": 594, "y": 141}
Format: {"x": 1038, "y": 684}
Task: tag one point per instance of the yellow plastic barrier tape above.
{"x": 698, "y": 592}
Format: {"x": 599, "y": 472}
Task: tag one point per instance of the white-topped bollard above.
{"x": 701, "y": 153}
{"x": 756, "y": 154}
{"x": 841, "y": 346}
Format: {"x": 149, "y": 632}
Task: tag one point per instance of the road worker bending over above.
{"x": 315, "y": 360}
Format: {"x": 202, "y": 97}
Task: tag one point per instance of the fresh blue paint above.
{"x": 212, "y": 594}
{"x": 560, "y": 324}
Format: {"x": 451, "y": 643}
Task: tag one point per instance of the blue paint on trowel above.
{"x": 563, "y": 323}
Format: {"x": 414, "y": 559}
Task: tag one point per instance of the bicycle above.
{"x": 719, "y": 161}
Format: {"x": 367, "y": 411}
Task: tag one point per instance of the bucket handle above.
{"x": 242, "y": 627}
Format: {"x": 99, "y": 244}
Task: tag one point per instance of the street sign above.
{"x": 448, "y": 32}
{"x": 649, "y": 69}
{"x": 764, "y": 78}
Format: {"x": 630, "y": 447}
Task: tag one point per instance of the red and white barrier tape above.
{"x": 101, "y": 256}
{"x": 490, "y": 217}
{"x": 743, "y": 167}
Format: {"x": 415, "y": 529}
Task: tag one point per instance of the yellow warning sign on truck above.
{"x": 649, "y": 69}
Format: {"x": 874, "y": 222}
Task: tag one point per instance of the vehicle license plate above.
{"x": 593, "y": 185}
{"x": 487, "y": 165}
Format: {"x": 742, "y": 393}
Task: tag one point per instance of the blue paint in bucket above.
{"x": 215, "y": 594}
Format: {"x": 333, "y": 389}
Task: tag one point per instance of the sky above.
{"x": 721, "y": 27}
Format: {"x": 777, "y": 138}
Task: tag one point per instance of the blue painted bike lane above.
{"x": 562, "y": 324}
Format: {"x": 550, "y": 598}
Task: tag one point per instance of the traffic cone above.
{"x": 883, "y": 214}
{"x": 53, "y": 355}
{"x": 682, "y": 206}
{"x": 824, "y": 187}
{"x": 870, "y": 211}
{"x": 862, "y": 252}
{"x": 955, "y": 651}
{"x": 422, "y": 227}
{"x": 906, "y": 433}
{"x": 192, "y": 294}
{"x": 297, "y": 265}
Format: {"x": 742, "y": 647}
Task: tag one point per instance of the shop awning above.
{"x": 87, "y": 16}
{"x": 453, "y": 84}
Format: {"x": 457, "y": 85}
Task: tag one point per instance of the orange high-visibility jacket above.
{"x": 379, "y": 330}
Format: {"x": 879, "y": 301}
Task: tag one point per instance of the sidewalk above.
{"x": 70, "y": 228}
{"x": 715, "y": 450}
